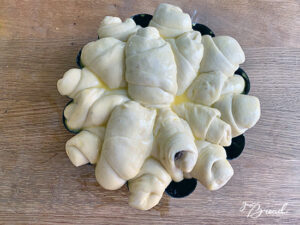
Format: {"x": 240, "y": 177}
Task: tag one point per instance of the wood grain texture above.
{"x": 39, "y": 41}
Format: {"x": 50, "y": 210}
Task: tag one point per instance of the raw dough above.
{"x": 241, "y": 112}
{"x": 84, "y": 147}
{"x": 221, "y": 53}
{"x": 147, "y": 188}
{"x": 114, "y": 27}
{"x": 92, "y": 107}
{"x": 174, "y": 138}
{"x": 205, "y": 123}
{"x": 207, "y": 88}
{"x": 105, "y": 57}
{"x": 150, "y": 68}
{"x": 171, "y": 21}
{"x": 127, "y": 143}
{"x": 188, "y": 52}
{"x": 76, "y": 80}
{"x": 212, "y": 168}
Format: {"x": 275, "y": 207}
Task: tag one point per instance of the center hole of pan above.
{"x": 178, "y": 155}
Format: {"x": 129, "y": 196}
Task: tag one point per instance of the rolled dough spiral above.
{"x": 188, "y": 52}
{"x": 221, "y": 53}
{"x": 241, "y": 112}
{"x": 85, "y": 147}
{"x": 114, "y": 27}
{"x": 176, "y": 149}
{"x": 205, "y": 123}
{"x": 212, "y": 168}
{"x": 150, "y": 68}
{"x": 170, "y": 21}
{"x": 105, "y": 57}
{"x": 92, "y": 107}
{"x": 127, "y": 143}
{"x": 147, "y": 188}
{"x": 207, "y": 88}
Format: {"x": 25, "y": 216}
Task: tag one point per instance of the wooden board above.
{"x": 39, "y": 41}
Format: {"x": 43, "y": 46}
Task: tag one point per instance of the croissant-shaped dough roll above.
{"x": 102, "y": 108}
{"x": 188, "y": 52}
{"x": 150, "y": 68}
{"x": 205, "y": 123}
{"x": 170, "y": 21}
{"x": 175, "y": 148}
{"x": 84, "y": 147}
{"x": 147, "y": 188}
{"x": 234, "y": 84}
{"x": 221, "y": 53}
{"x": 241, "y": 112}
{"x": 92, "y": 107}
{"x": 114, "y": 27}
{"x": 127, "y": 143}
{"x": 76, "y": 112}
{"x": 105, "y": 57}
{"x": 212, "y": 168}
{"x": 76, "y": 80}
{"x": 208, "y": 87}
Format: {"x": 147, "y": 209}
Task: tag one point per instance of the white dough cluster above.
{"x": 156, "y": 104}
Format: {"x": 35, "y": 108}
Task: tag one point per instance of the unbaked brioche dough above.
{"x": 105, "y": 57}
{"x": 84, "y": 147}
{"x": 147, "y": 188}
{"x": 174, "y": 137}
{"x": 212, "y": 168}
{"x": 114, "y": 27}
{"x": 77, "y": 112}
{"x": 92, "y": 107}
{"x": 188, "y": 52}
{"x": 221, "y": 53}
{"x": 156, "y": 104}
{"x": 76, "y": 80}
{"x": 241, "y": 112}
{"x": 207, "y": 88}
{"x": 210, "y": 127}
{"x": 170, "y": 21}
{"x": 150, "y": 68}
{"x": 127, "y": 143}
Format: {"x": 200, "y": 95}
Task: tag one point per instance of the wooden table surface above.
{"x": 39, "y": 41}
